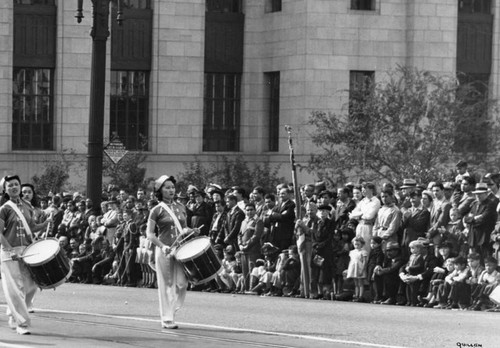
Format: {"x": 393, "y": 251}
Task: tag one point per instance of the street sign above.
{"x": 115, "y": 150}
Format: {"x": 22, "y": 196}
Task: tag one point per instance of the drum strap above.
{"x": 172, "y": 215}
{"x": 21, "y": 217}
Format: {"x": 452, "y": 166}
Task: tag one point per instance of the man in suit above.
{"x": 409, "y": 186}
{"x": 258, "y": 194}
{"x": 493, "y": 182}
{"x": 235, "y": 217}
{"x": 269, "y": 204}
{"x": 465, "y": 203}
{"x": 110, "y": 220}
{"x": 416, "y": 221}
{"x": 200, "y": 215}
{"x": 481, "y": 221}
{"x": 387, "y": 273}
{"x": 282, "y": 220}
{"x": 343, "y": 207}
{"x": 440, "y": 215}
{"x": 218, "y": 226}
{"x": 249, "y": 240}
{"x": 430, "y": 262}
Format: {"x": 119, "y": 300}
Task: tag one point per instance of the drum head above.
{"x": 192, "y": 248}
{"x": 40, "y": 251}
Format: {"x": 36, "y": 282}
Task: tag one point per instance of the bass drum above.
{"x": 47, "y": 262}
{"x": 199, "y": 260}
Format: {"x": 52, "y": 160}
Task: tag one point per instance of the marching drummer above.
{"x": 16, "y": 227}
{"x": 169, "y": 217}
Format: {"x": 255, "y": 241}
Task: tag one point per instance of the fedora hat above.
{"x": 392, "y": 246}
{"x": 481, "y": 187}
{"x": 424, "y": 241}
{"x": 409, "y": 183}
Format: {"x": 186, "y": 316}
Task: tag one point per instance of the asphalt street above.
{"x": 78, "y": 315}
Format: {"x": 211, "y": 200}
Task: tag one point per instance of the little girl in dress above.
{"x": 357, "y": 267}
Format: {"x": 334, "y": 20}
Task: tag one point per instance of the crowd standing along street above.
{"x": 433, "y": 245}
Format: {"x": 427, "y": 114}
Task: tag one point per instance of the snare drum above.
{"x": 199, "y": 260}
{"x": 47, "y": 262}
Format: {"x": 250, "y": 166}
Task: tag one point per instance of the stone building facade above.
{"x": 203, "y": 79}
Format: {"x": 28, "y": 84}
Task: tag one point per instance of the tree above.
{"x": 411, "y": 125}
{"x": 228, "y": 173}
{"x": 54, "y": 177}
{"x": 127, "y": 174}
{"x": 56, "y": 172}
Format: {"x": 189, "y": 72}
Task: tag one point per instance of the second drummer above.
{"x": 170, "y": 219}
{"x": 16, "y": 227}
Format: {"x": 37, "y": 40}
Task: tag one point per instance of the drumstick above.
{"x": 184, "y": 237}
{"x": 27, "y": 255}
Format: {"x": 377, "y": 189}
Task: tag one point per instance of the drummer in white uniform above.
{"x": 170, "y": 218}
{"x": 16, "y": 227}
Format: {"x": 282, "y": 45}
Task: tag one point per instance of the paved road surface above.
{"x": 77, "y": 315}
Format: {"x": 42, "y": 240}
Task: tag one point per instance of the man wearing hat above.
{"x": 191, "y": 192}
{"x": 211, "y": 188}
{"x": 321, "y": 276}
{"x": 113, "y": 192}
{"x": 387, "y": 274}
{"x": 415, "y": 222}
{"x": 430, "y": 263}
{"x": 327, "y": 198}
{"x": 343, "y": 207}
{"x": 213, "y": 193}
{"x": 200, "y": 213}
{"x": 481, "y": 221}
{"x": 110, "y": 220}
{"x": 409, "y": 186}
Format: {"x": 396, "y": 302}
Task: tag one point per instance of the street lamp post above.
{"x": 99, "y": 34}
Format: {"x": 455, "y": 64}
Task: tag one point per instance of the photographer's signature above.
{"x": 472, "y": 345}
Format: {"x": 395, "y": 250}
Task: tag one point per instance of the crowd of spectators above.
{"x": 432, "y": 245}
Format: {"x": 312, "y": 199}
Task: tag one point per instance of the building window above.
{"x": 365, "y": 5}
{"x": 221, "y": 112}
{"x": 32, "y": 104}
{"x": 360, "y": 81}
{"x": 360, "y": 86}
{"x": 136, "y": 4}
{"x": 273, "y": 6}
{"x": 129, "y": 108}
{"x": 273, "y": 93}
{"x": 223, "y": 6}
{"x": 475, "y": 6}
{"x": 34, "y": 2}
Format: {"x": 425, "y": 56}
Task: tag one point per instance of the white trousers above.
{"x": 18, "y": 287}
{"x": 172, "y": 284}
